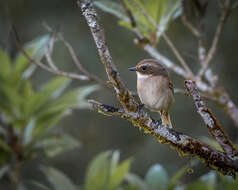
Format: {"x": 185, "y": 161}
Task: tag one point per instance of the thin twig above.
{"x": 48, "y": 53}
{"x": 212, "y": 124}
{"x": 177, "y": 54}
{"x": 189, "y": 25}
{"x": 41, "y": 65}
{"x": 219, "y": 29}
{"x": 76, "y": 60}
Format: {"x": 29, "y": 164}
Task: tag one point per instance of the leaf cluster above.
{"x": 28, "y": 114}
{"x": 105, "y": 172}
{"x": 151, "y": 16}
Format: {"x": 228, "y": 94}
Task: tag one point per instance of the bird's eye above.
{"x": 143, "y": 68}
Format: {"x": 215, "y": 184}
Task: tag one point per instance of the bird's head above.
{"x": 150, "y": 67}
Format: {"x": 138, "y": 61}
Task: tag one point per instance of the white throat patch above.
{"x": 141, "y": 76}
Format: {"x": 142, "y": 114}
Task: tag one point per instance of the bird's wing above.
{"x": 171, "y": 86}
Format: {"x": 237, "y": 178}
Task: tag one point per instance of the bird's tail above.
{"x": 165, "y": 117}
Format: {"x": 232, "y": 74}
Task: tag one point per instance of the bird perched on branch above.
{"x": 155, "y": 88}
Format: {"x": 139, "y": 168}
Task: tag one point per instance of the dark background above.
{"x": 97, "y": 132}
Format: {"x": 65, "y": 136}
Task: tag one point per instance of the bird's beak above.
{"x": 132, "y": 69}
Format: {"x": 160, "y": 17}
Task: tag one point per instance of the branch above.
{"x": 214, "y": 127}
{"x": 184, "y": 144}
{"x": 41, "y": 65}
{"x": 123, "y": 94}
{"x": 189, "y": 25}
{"x": 177, "y": 54}
{"x": 224, "y": 163}
{"x": 75, "y": 59}
{"x": 219, "y": 29}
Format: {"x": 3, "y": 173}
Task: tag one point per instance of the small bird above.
{"x": 155, "y": 88}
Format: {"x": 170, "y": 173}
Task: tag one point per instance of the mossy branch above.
{"x": 214, "y": 127}
{"x": 183, "y": 144}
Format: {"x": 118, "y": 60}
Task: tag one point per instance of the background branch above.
{"x": 75, "y": 58}
{"x": 219, "y": 29}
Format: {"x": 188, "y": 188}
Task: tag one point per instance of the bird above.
{"x": 155, "y": 88}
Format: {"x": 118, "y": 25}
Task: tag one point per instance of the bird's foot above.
{"x": 159, "y": 121}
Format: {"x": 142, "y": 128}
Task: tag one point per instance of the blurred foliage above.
{"x": 105, "y": 172}
{"x": 28, "y": 115}
{"x": 152, "y": 16}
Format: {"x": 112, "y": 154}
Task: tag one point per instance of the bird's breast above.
{"x": 153, "y": 91}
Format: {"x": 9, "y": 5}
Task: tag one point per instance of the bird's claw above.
{"x": 159, "y": 121}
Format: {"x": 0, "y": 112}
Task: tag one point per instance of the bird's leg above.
{"x": 165, "y": 117}
{"x": 160, "y": 119}
{"x": 140, "y": 106}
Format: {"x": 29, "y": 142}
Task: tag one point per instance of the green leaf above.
{"x": 55, "y": 87}
{"x": 112, "y": 8}
{"x": 5, "y": 63}
{"x": 232, "y": 185}
{"x": 10, "y": 100}
{"x": 45, "y": 123}
{"x": 197, "y": 186}
{"x": 58, "y": 179}
{"x": 39, "y": 45}
{"x": 74, "y": 99}
{"x": 137, "y": 8}
{"x": 119, "y": 174}
{"x": 28, "y": 132}
{"x": 5, "y": 146}
{"x": 36, "y": 49}
{"x": 97, "y": 164}
{"x": 83, "y": 92}
{"x": 98, "y": 172}
{"x": 171, "y": 10}
{"x": 27, "y": 90}
{"x": 39, "y": 185}
{"x": 114, "y": 161}
{"x": 155, "y": 9}
{"x": 156, "y": 177}
{"x": 4, "y": 170}
{"x": 209, "y": 179}
{"x": 51, "y": 90}
{"x": 22, "y": 63}
{"x": 150, "y": 15}
{"x": 136, "y": 181}
{"x": 132, "y": 187}
{"x": 56, "y": 144}
{"x": 173, "y": 182}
